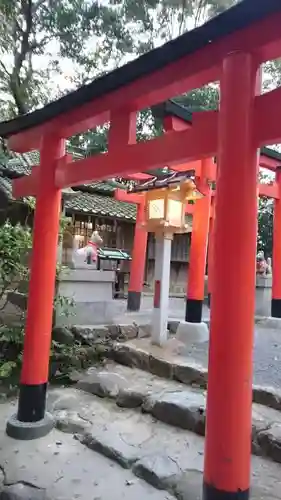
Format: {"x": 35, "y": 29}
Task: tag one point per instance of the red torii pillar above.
{"x": 138, "y": 262}
{"x": 198, "y": 249}
{"x": 139, "y": 250}
{"x": 276, "y": 253}
{"x": 228, "y": 436}
{"x": 31, "y": 420}
{"x": 271, "y": 190}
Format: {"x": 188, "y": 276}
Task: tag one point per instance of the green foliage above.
{"x": 38, "y": 36}
{"x": 15, "y": 244}
{"x": 7, "y": 369}
{"x": 265, "y": 220}
{"x": 265, "y": 226}
{"x": 65, "y": 304}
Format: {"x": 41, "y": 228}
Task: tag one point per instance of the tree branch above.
{"x": 20, "y": 56}
{"x": 5, "y": 69}
{"x": 201, "y": 6}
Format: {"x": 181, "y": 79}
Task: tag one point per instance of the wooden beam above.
{"x": 269, "y": 191}
{"x": 167, "y": 150}
{"x": 26, "y": 185}
{"x": 122, "y": 195}
{"x": 267, "y": 118}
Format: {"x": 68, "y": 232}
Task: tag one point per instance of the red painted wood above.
{"x": 267, "y": 117}
{"x": 157, "y": 294}
{"x": 228, "y": 440}
{"x": 122, "y": 195}
{"x": 38, "y": 327}
{"x": 276, "y": 254}
{"x": 137, "y": 267}
{"x": 198, "y": 247}
{"x": 167, "y": 150}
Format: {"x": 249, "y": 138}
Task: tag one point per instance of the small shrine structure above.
{"x": 164, "y": 201}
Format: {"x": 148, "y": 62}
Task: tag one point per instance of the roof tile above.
{"x": 96, "y": 204}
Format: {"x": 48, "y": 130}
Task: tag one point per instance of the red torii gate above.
{"x": 229, "y": 49}
{"x": 176, "y": 117}
{"x": 202, "y": 211}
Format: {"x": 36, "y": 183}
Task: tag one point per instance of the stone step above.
{"x": 172, "y": 364}
{"x": 174, "y": 403}
{"x": 168, "y": 458}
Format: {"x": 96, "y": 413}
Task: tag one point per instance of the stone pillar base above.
{"x": 276, "y": 308}
{"x": 26, "y": 431}
{"x": 134, "y": 301}
{"x": 191, "y": 333}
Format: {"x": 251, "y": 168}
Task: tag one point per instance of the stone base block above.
{"x": 192, "y": 333}
{"x": 25, "y": 431}
{"x": 268, "y": 322}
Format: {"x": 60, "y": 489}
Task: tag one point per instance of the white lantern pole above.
{"x": 161, "y": 289}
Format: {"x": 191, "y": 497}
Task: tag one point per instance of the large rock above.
{"x": 71, "y": 423}
{"x": 181, "y": 409}
{"x": 267, "y": 396}
{"x": 102, "y": 384}
{"x": 269, "y": 441}
{"x": 114, "y": 332}
{"x": 191, "y": 373}
{"x": 161, "y": 367}
{"x": 129, "y": 332}
{"x": 18, "y": 299}
{"x": 144, "y": 331}
{"x": 155, "y": 469}
{"x": 21, "y": 491}
{"x": 110, "y": 444}
{"x": 133, "y": 357}
{"x": 186, "y": 485}
{"x": 88, "y": 336}
{"x": 63, "y": 335}
{"x": 128, "y": 398}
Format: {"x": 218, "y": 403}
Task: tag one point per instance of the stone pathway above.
{"x": 175, "y": 404}
{"x": 59, "y": 467}
{"x": 177, "y": 361}
{"x": 103, "y": 451}
{"x": 267, "y": 343}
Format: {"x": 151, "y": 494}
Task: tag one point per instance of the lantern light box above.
{"x": 165, "y": 202}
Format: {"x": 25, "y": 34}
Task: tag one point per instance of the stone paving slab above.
{"x": 178, "y": 362}
{"x": 168, "y": 458}
{"x": 173, "y": 403}
{"x": 58, "y": 467}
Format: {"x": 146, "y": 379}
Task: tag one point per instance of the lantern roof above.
{"x": 172, "y": 178}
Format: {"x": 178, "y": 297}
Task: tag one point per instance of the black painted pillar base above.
{"x": 134, "y": 301}
{"x": 276, "y": 308}
{"x": 193, "y": 310}
{"x": 31, "y": 421}
{"x": 211, "y": 493}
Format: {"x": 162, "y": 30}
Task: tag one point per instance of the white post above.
{"x": 60, "y": 245}
{"x": 161, "y": 292}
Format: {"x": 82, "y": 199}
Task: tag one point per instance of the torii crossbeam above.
{"x": 230, "y": 49}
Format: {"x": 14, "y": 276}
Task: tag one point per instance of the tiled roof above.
{"x": 96, "y": 198}
{"x": 100, "y": 187}
{"x": 96, "y": 204}
{"x": 88, "y": 203}
{"x": 21, "y": 163}
{"x": 6, "y": 187}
